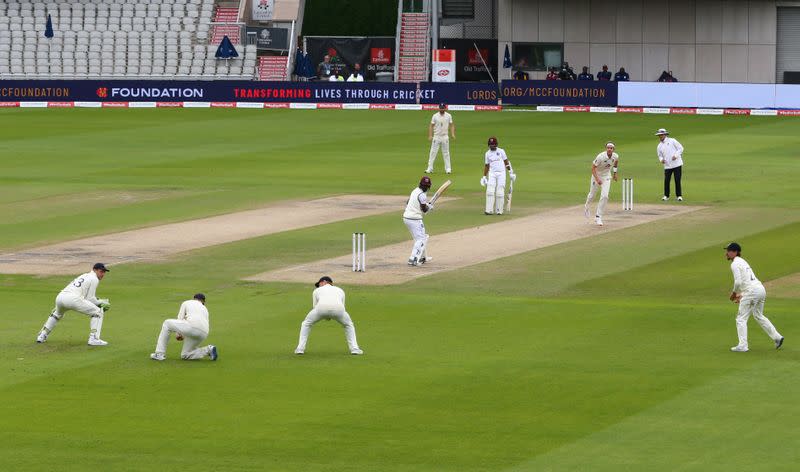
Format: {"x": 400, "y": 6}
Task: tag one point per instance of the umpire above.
{"x": 670, "y": 154}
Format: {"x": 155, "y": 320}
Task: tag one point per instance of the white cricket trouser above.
{"x": 417, "y": 229}
{"x": 436, "y": 143}
{"x": 604, "y": 188}
{"x": 192, "y": 337}
{"x": 323, "y": 312}
{"x": 753, "y": 304}
{"x": 495, "y": 192}
{"x": 66, "y": 302}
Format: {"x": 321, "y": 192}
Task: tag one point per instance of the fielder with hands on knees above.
{"x": 670, "y": 154}
{"x": 416, "y": 208}
{"x": 602, "y": 167}
{"x": 191, "y": 327}
{"x": 750, "y": 294}
{"x": 494, "y": 177}
{"x": 441, "y": 123}
{"x": 80, "y": 296}
{"x": 328, "y": 304}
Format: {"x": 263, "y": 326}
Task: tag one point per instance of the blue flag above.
{"x": 226, "y": 49}
{"x": 507, "y": 59}
{"x": 48, "y": 29}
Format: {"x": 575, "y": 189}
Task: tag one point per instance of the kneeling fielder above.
{"x": 601, "y": 178}
{"x": 494, "y": 177}
{"x": 79, "y": 295}
{"x": 191, "y": 327}
{"x": 328, "y": 304}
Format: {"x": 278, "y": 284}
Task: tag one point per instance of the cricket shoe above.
{"x": 779, "y": 343}
{"x": 299, "y": 352}
{"x": 429, "y": 171}
{"x": 212, "y": 352}
{"x": 680, "y": 199}
{"x": 598, "y": 221}
{"x": 357, "y": 352}
{"x": 94, "y": 341}
{"x": 41, "y": 338}
{"x": 412, "y": 262}
{"x": 488, "y": 213}
{"x": 425, "y": 259}
{"x": 158, "y": 356}
{"x": 739, "y": 349}
{"x": 664, "y": 198}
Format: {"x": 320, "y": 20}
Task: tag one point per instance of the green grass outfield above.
{"x": 608, "y": 353}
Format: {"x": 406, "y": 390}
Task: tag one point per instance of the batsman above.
{"x": 494, "y": 177}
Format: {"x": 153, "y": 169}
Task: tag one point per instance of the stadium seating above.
{"x": 414, "y": 47}
{"x": 118, "y": 39}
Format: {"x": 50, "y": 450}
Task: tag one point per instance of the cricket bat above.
{"x": 508, "y": 198}
{"x": 442, "y": 189}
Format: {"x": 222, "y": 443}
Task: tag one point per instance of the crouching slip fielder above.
{"x": 494, "y": 177}
{"x": 750, "y": 294}
{"x": 415, "y": 210}
{"x": 328, "y": 304}
{"x": 79, "y": 295}
{"x": 602, "y": 167}
{"x": 191, "y": 327}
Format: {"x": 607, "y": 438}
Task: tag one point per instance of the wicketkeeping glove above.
{"x": 483, "y": 181}
{"x": 104, "y": 304}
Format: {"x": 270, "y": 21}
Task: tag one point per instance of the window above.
{"x": 536, "y": 56}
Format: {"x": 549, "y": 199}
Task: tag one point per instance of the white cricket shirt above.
{"x": 195, "y": 313}
{"x": 496, "y": 160}
{"x": 441, "y": 124}
{"x": 414, "y": 206}
{"x": 668, "y": 149}
{"x": 84, "y": 286}
{"x": 328, "y": 296}
{"x": 744, "y": 279}
{"x": 604, "y": 163}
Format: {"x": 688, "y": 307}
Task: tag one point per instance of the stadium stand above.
{"x": 414, "y": 42}
{"x": 119, "y": 39}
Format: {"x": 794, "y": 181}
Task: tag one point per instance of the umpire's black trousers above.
{"x": 668, "y": 173}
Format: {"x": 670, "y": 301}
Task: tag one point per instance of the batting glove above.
{"x": 483, "y": 181}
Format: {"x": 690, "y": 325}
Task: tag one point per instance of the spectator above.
{"x": 336, "y": 76}
{"x": 604, "y": 74}
{"x": 356, "y": 76}
{"x": 672, "y": 77}
{"x": 622, "y": 76}
{"x": 566, "y": 72}
{"x": 664, "y": 77}
{"x": 521, "y": 75}
{"x": 325, "y": 68}
{"x": 552, "y": 75}
{"x": 585, "y": 75}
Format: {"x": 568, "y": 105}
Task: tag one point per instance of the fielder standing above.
{"x": 416, "y": 208}
{"x": 670, "y": 154}
{"x": 328, "y": 304}
{"x": 191, "y": 327}
{"x": 750, "y": 294}
{"x": 494, "y": 177}
{"x": 604, "y": 166}
{"x": 441, "y": 124}
{"x": 80, "y": 295}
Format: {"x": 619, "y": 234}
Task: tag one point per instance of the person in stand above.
{"x": 585, "y": 75}
{"x": 356, "y": 76}
{"x": 552, "y": 75}
{"x": 604, "y": 74}
{"x": 621, "y": 75}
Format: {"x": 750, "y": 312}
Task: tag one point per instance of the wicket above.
{"x": 627, "y": 194}
{"x": 359, "y": 252}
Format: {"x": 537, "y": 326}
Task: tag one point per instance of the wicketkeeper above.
{"x": 80, "y": 296}
{"x": 496, "y": 164}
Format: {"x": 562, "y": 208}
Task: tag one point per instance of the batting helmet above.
{"x": 425, "y": 183}
{"x": 492, "y": 141}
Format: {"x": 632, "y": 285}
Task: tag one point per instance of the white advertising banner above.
{"x": 443, "y": 65}
{"x": 263, "y": 10}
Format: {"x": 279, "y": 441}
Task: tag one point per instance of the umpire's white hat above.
{"x": 661, "y": 131}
